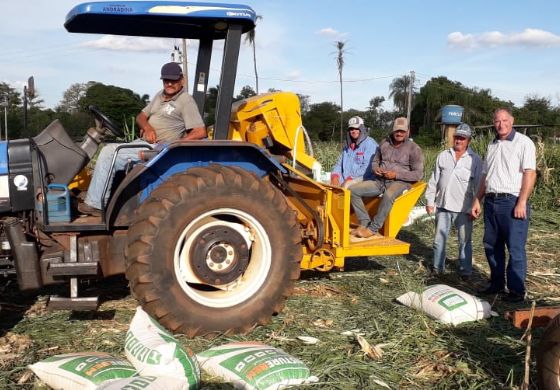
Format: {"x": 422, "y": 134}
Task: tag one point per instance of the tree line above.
{"x": 322, "y": 120}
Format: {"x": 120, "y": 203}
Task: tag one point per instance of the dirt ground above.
{"x": 418, "y": 352}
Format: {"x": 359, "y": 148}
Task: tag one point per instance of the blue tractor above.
{"x": 211, "y": 235}
{"x": 207, "y": 243}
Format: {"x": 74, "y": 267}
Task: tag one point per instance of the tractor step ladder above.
{"x": 74, "y": 269}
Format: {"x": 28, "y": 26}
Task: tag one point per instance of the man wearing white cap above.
{"x": 354, "y": 163}
{"x": 398, "y": 162}
{"x": 451, "y": 190}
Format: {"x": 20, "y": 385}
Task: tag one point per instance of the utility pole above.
{"x": 180, "y": 56}
{"x": 409, "y": 105}
{"x": 5, "y": 117}
{"x": 25, "y": 108}
{"x": 185, "y": 69}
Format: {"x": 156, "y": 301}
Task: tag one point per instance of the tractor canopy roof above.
{"x": 171, "y": 19}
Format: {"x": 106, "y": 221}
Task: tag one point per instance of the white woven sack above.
{"x": 155, "y": 352}
{"x": 146, "y": 383}
{"x": 81, "y": 371}
{"x": 447, "y": 304}
{"x": 254, "y": 366}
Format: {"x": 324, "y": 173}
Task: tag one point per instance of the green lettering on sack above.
{"x": 265, "y": 367}
{"x": 154, "y": 357}
{"x": 452, "y": 301}
{"x": 98, "y": 369}
{"x": 140, "y": 351}
{"x": 140, "y": 383}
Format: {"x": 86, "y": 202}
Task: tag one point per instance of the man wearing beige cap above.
{"x": 398, "y": 162}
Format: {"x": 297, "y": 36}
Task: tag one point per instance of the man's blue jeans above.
{"x": 391, "y": 189}
{"x": 502, "y": 230}
{"x": 103, "y": 166}
{"x": 463, "y": 224}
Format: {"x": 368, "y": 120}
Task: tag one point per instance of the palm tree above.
{"x": 340, "y": 51}
{"x": 250, "y": 39}
{"x": 399, "y": 92}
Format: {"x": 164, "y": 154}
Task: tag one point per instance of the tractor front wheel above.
{"x": 214, "y": 250}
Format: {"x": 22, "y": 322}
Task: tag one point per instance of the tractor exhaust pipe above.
{"x": 25, "y": 256}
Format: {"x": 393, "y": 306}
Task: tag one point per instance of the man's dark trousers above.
{"x": 502, "y": 230}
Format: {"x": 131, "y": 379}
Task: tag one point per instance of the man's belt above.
{"x": 494, "y": 195}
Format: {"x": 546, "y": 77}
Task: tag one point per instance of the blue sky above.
{"x": 510, "y": 47}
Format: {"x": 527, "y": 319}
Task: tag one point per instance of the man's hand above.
{"x": 476, "y": 209}
{"x": 347, "y": 183}
{"x": 149, "y": 134}
{"x": 335, "y": 181}
{"x": 520, "y": 210}
{"x": 390, "y": 175}
{"x": 379, "y": 171}
{"x": 430, "y": 209}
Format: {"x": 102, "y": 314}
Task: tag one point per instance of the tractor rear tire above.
{"x": 548, "y": 357}
{"x": 214, "y": 250}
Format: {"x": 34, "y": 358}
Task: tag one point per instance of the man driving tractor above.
{"x": 171, "y": 115}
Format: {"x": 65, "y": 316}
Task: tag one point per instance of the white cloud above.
{"x": 331, "y": 33}
{"x": 530, "y": 37}
{"x": 135, "y": 44}
{"x": 536, "y": 37}
{"x": 462, "y": 41}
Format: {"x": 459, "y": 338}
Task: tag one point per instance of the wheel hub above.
{"x": 219, "y": 255}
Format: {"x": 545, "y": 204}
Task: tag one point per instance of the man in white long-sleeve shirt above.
{"x": 451, "y": 190}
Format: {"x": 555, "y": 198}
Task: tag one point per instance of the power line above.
{"x": 23, "y": 54}
{"x": 32, "y": 52}
{"x": 322, "y": 81}
{"x": 32, "y": 56}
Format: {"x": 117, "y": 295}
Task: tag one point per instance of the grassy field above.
{"x": 418, "y": 352}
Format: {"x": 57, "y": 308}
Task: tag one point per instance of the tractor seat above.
{"x": 61, "y": 157}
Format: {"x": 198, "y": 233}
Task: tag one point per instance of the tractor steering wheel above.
{"x": 105, "y": 122}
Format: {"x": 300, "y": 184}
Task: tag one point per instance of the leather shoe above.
{"x": 363, "y": 232}
{"x": 88, "y": 210}
{"x": 512, "y": 297}
{"x": 354, "y": 231}
{"x": 435, "y": 273}
{"x": 491, "y": 290}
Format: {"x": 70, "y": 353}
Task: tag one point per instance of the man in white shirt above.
{"x": 508, "y": 178}
{"x": 451, "y": 190}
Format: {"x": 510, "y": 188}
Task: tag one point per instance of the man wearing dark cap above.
{"x": 354, "y": 163}
{"x": 451, "y": 190}
{"x": 397, "y": 164}
{"x": 171, "y": 115}
{"x": 172, "y": 111}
